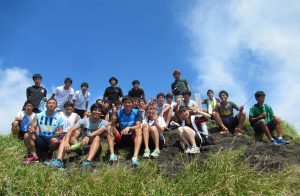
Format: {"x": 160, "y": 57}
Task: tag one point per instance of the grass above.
{"x": 219, "y": 174}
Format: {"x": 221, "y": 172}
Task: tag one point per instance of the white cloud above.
{"x": 244, "y": 46}
{"x": 14, "y": 82}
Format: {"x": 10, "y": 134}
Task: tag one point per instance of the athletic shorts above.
{"x": 42, "y": 143}
{"x": 21, "y": 135}
{"x": 79, "y": 112}
{"x": 271, "y": 125}
{"x": 230, "y": 122}
{"x": 125, "y": 140}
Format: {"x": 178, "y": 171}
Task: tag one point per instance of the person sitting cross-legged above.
{"x": 125, "y": 130}
{"x": 91, "y": 129}
{"x": 223, "y": 115}
{"x": 263, "y": 120}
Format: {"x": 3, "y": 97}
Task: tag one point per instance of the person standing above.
{"x": 36, "y": 93}
{"x": 136, "y": 91}
{"x": 113, "y": 93}
{"x": 179, "y": 85}
{"x": 81, "y": 100}
{"x": 63, "y": 94}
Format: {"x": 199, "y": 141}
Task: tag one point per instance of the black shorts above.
{"x": 230, "y": 122}
{"x": 42, "y": 143}
{"x": 21, "y": 135}
{"x": 79, "y": 112}
{"x": 125, "y": 140}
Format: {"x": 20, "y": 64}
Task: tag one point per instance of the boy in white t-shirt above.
{"x": 81, "y": 100}
{"x": 70, "y": 117}
{"x": 24, "y": 127}
{"x": 63, "y": 94}
{"x": 163, "y": 110}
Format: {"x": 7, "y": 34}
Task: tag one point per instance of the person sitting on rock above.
{"x": 24, "y": 127}
{"x": 211, "y": 101}
{"x": 163, "y": 110}
{"x": 187, "y": 102}
{"x": 223, "y": 115}
{"x": 125, "y": 130}
{"x": 193, "y": 130}
{"x": 152, "y": 128}
{"x": 263, "y": 120}
{"x": 90, "y": 130}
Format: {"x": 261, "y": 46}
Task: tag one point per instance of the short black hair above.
{"x": 68, "y": 104}
{"x": 96, "y": 106}
{"x": 28, "y": 102}
{"x": 36, "y": 76}
{"x": 209, "y": 91}
{"x": 260, "y": 94}
{"x": 126, "y": 98}
{"x": 160, "y": 95}
{"x": 68, "y": 80}
{"x": 223, "y": 92}
{"x": 135, "y": 99}
{"x": 187, "y": 92}
{"x": 143, "y": 100}
{"x": 52, "y": 99}
{"x": 113, "y": 78}
{"x": 169, "y": 95}
{"x": 135, "y": 82}
{"x": 118, "y": 102}
{"x": 84, "y": 84}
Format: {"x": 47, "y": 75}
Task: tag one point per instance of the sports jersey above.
{"x": 62, "y": 96}
{"x": 128, "y": 120}
{"x": 178, "y": 86}
{"x": 25, "y": 124}
{"x": 112, "y": 94}
{"x": 69, "y": 121}
{"x": 35, "y": 94}
{"x": 90, "y": 126}
{"x": 227, "y": 109}
{"x": 139, "y": 93}
{"x": 48, "y": 125}
{"x": 81, "y": 99}
{"x": 255, "y": 111}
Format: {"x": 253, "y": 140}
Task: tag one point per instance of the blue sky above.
{"x": 95, "y": 40}
{"x": 238, "y": 45}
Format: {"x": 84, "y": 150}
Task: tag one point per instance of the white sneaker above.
{"x": 187, "y": 150}
{"x": 146, "y": 153}
{"x": 194, "y": 150}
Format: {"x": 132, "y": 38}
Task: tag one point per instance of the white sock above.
{"x": 279, "y": 138}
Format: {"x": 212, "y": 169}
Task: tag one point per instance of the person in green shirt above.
{"x": 263, "y": 120}
{"x": 223, "y": 115}
{"x": 179, "y": 85}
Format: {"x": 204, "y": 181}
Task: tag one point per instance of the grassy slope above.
{"x": 219, "y": 174}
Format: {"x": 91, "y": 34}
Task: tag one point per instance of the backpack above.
{"x": 200, "y": 128}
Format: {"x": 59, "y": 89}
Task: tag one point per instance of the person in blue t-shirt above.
{"x": 50, "y": 126}
{"x": 125, "y": 130}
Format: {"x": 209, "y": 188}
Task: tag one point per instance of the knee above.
{"x": 96, "y": 138}
{"x": 277, "y": 119}
{"x": 138, "y": 132}
{"x": 243, "y": 113}
{"x": 26, "y": 136}
{"x": 15, "y": 124}
{"x": 262, "y": 122}
{"x": 214, "y": 114}
{"x": 54, "y": 141}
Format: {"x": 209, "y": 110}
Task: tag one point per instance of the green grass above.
{"x": 220, "y": 174}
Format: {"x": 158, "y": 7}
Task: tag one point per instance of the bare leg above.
{"x": 241, "y": 117}
{"x": 146, "y": 130}
{"x": 190, "y": 135}
{"x": 15, "y": 129}
{"x": 219, "y": 121}
{"x": 94, "y": 148}
{"x": 137, "y": 142}
{"x": 263, "y": 126}
{"x": 167, "y": 117}
{"x": 111, "y": 139}
{"x": 278, "y": 126}
{"x": 53, "y": 144}
{"x": 30, "y": 144}
{"x": 155, "y": 136}
{"x": 183, "y": 140}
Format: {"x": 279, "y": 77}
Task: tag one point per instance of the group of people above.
{"x": 64, "y": 123}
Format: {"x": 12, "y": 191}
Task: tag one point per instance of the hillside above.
{"x": 232, "y": 166}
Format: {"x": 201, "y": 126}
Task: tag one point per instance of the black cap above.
{"x": 36, "y": 76}
{"x": 187, "y": 92}
{"x": 113, "y": 78}
{"x": 135, "y": 81}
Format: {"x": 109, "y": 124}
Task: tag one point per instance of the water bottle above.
{"x": 42, "y": 104}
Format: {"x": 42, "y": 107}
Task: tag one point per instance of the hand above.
{"x": 125, "y": 131}
{"x": 177, "y": 101}
{"x": 113, "y": 119}
{"x": 241, "y": 108}
{"x": 31, "y": 130}
{"x": 66, "y": 146}
{"x": 263, "y": 115}
{"x": 85, "y": 141}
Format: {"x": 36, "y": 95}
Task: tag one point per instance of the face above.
{"x": 186, "y": 97}
{"x": 128, "y": 105}
{"x": 151, "y": 113}
{"x": 260, "y": 99}
{"x": 160, "y": 100}
{"x": 68, "y": 110}
{"x": 185, "y": 114}
{"x": 84, "y": 89}
{"x": 106, "y": 105}
{"x": 177, "y": 76}
{"x": 68, "y": 84}
{"x": 37, "y": 81}
{"x": 51, "y": 105}
{"x": 136, "y": 103}
{"x": 113, "y": 82}
{"x": 96, "y": 113}
{"x": 119, "y": 106}
{"x": 223, "y": 97}
{"x": 136, "y": 85}
{"x": 169, "y": 100}
{"x": 28, "y": 108}
{"x": 210, "y": 95}
{"x": 142, "y": 104}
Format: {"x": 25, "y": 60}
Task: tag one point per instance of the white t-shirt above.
{"x": 172, "y": 107}
{"x": 62, "y": 96}
{"x": 159, "y": 109}
{"x": 26, "y": 120}
{"x": 80, "y": 99}
{"x": 69, "y": 121}
{"x": 190, "y": 104}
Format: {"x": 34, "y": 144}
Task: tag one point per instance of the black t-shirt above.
{"x": 112, "y": 94}
{"x": 139, "y": 93}
{"x": 35, "y": 94}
